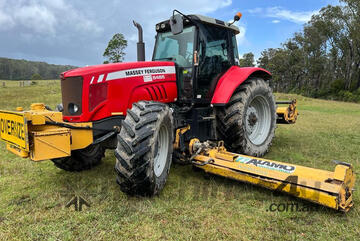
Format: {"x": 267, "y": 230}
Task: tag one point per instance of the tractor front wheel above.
{"x": 82, "y": 159}
{"x": 247, "y": 123}
{"x": 144, "y": 150}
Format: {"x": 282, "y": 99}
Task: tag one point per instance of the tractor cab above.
{"x": 202, "y": 48}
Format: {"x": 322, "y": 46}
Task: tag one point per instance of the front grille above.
{"x": 71, "y": 90}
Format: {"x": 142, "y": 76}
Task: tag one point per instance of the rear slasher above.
{"x": 330, "y": 189}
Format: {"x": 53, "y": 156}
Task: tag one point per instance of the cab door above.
{"x": 216, "y": 56}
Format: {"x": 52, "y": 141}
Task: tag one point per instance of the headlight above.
{"x": 59, "y": 108}
{"x": 73, "y": 108}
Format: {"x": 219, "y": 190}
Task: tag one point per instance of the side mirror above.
{"x": 176, "y": 24}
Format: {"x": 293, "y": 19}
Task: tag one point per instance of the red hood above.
{"x": 106, "y": 68}
{"x": 109, "y": 90}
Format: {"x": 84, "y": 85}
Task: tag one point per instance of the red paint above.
{"x": 121, "y": 93}
{"x": 234, "y": 77}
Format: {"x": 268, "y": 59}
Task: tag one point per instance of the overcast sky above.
{"x": 76, "y": 32}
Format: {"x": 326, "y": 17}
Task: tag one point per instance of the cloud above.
{"x": 292, "y": 16}
{"x": 6, "y": 21}
{"x": 241, "y": 37}
{"x": 152, "y": 13}
{"x": 43, "y": 17}
{"x": 76, "y": 32}
{"x": 36, "y": 17}
{"x": 214, "y": 5}
{"x": 255, "y": 10}
{"x": 275, "y": 21}
{"x": 299, "y": 17}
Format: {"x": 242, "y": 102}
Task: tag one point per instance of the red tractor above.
{"x": 192, "y": 81}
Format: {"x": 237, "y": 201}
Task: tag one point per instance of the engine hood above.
{"x": 109, "y": 68}
{"x": 108, "y": 90}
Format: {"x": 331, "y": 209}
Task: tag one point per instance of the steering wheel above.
{"x": 189, "y": 56}
{"x": 180, "y": 60}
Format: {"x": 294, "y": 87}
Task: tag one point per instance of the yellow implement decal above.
{"x": 13, "y": 129}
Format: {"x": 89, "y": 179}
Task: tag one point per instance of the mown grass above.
{"x": 33, "y": 195}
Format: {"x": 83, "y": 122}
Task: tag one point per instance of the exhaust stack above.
{"x": 140, "y": 44}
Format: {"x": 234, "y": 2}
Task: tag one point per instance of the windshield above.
{"x": 178, "y": 48}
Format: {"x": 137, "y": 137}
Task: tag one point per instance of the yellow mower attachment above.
{"x": 41, "y": 134}
{"x": 287, "y": 114}
{"x": 331, "y": 189}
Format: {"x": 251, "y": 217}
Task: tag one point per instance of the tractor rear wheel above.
{"x": 144, "y": 150}
{"x": 247, "y": 123}
{"x": 82, "y": 159}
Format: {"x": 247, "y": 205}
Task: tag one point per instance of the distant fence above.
{"x": 25, "y": 83}
{"x": 22, "y": 83}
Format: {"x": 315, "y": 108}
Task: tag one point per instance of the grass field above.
{"x": 33, "y": 195}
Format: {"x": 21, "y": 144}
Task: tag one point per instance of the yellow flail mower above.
{"x": 287, "y": 114}
{"x": 192, "y": 104}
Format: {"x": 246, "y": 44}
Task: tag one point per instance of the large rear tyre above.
{"x": 144, "y": 150}
{"x": 247, "y": 123}
{"x": 82, "y": 159}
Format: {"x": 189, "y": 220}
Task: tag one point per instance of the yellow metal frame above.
{"x": 331, "y": 189}
{"x": 46, "y": 140}
{"x": 287, "y": 114}
{"x": 179, "y": 132}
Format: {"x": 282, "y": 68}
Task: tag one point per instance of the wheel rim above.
{"x": 161, "y": 151}
{"x": 258, "y": 120}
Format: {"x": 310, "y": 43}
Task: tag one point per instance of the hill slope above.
{"x": 16, "y": 69}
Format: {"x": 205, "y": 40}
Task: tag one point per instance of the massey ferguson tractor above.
{"x": 192, "y": 104}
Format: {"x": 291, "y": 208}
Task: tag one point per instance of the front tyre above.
{"x": 144, "y": 149}
{"x": 247, "y": 123}
{"x": 80, "y": 160}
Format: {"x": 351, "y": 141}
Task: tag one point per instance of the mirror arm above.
{"x": 185, "y": 16}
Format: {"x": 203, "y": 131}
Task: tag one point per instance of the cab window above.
{"x": 214, "y": 58}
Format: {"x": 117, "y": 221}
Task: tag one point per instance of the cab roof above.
{"x": 200, "y": 18}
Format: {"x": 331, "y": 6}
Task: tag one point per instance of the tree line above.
{"x": 14, "y": 69}
{"x": 322, "y": 60}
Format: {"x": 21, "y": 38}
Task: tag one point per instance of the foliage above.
{"x": 115, "y": 49}
{"x": 323, "y": 60}
{"x": 36, "y": 77}
{"x": 15, "y": 69}
{"x": 247, "y": 60}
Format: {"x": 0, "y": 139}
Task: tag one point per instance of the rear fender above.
{"x": 232, "y": 79}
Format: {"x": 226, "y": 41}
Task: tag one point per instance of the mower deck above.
{"x": 331, "y": 189}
